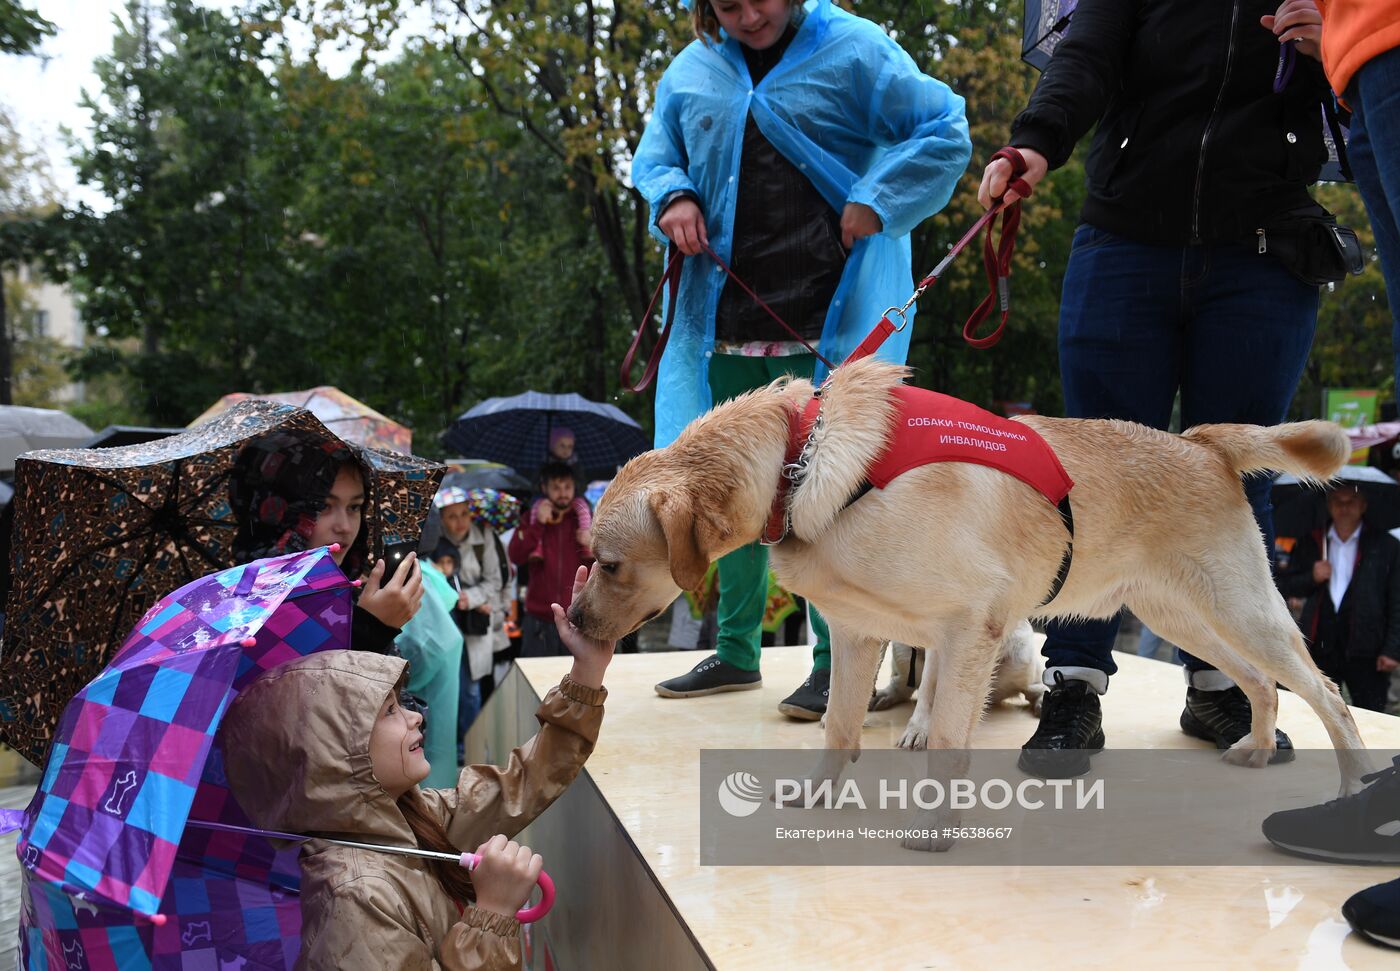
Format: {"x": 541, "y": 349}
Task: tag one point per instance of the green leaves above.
{"x": 21, "y": 28}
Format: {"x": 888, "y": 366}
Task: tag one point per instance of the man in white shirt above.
{"x": 1349, "y": 577}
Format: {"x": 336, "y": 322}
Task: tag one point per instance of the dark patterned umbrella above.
{"x": 100, "y": 534}
{"x": 515, "y": 431}
{"x": 1044, "y": 24}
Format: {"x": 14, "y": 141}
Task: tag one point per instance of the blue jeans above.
{"x": 1225, "y": 326}
{"x": 1374, "y": 151}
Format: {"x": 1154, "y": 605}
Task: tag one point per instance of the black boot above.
{"x": 808, "y": 702}
{"x": 1223, "y": 717}
{"x": 1071, "y": 730}
{"x": 1361, "y": 828}
{"x": 709, "y": 677}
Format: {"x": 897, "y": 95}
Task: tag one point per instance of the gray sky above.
{"x": 43, "y": 92}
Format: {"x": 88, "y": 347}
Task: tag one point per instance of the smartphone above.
{"x": 394, "y": 555}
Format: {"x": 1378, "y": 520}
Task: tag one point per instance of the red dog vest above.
{"x": 933, "y": 427}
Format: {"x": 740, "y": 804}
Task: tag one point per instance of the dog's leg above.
{"x": 897, "y": 690}
{"x": 1281, "y": 654}
{"x": 1196, "y": 636}
{"x": 1257, "y": 644}
{"x": 966, "y": 658}
{"x": 915, "y": 737}
{"x": 854, "y": 661}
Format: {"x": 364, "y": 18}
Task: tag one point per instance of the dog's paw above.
{"x": 867, "y": 723}
{"x": 927, "y": 844}
{"x": 886, "y": 698}
{"x": 915, "y": 738}
{"x": 1252, "y": 758}
{"x": 1034, "y": 697}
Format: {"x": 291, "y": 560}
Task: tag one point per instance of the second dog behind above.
{"x": 1019, "y": 671}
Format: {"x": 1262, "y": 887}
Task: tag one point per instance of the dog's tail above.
{"x": 1314, "y": 451}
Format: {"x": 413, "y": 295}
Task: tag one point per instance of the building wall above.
{"x": 59, "y": 317}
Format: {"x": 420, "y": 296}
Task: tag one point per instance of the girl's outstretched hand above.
{"x": 505, "y": 876}
{"x": 591, "y": 657}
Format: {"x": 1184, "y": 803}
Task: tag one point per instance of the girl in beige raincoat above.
{"x": 347, "y": 764}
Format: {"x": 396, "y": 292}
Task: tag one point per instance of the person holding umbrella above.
{"x": 1195, "y": 270}
{"x": 1348, "y": 574}
{"x": 351, "y": 765}
{"x": 802, "y": 145}
{"x": 292, "y": 492}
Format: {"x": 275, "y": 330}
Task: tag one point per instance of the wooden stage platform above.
{"x": 623, "y": 846}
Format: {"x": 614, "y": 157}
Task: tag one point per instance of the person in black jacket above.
{"x": 1351, "y": 598}
{"x": 1199, "y": 161}
{"x": 291, "y": 492}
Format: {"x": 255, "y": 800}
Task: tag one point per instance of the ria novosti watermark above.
{"x": 1142, "y": 807}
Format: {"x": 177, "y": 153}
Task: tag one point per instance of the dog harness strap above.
{"x": 670, "y": 280}
{"x": 1066, "y": 517}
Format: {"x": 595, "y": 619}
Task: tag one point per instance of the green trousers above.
{"x": 743, "y": 574}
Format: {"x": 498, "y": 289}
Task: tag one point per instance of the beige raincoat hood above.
{"x": 296, "y": 744}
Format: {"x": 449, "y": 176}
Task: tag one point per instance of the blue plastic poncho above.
{"x": 432, "y": 644}
{"x": 846, "y": 105}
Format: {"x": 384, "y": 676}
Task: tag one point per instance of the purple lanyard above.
{"x": 1287, "y": 59}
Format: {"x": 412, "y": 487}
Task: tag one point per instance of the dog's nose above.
{"x": 575, "y": 616}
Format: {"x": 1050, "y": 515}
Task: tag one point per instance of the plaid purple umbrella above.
{"x": 105, "y": 838}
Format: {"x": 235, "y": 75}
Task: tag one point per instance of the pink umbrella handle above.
{"x": 529, "y": 914}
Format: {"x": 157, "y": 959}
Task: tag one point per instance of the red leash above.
{"x": 671, "y": 280}
{"x": 996, "y": 259}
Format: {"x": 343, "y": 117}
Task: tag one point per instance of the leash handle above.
{"x": 996, "y": 260}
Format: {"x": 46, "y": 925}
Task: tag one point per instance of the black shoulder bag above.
{"x": 1311, "y": 246}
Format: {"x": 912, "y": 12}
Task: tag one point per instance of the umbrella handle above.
{"x": 527, "y": 915}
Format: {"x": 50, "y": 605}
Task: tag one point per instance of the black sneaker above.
{"x": 1361, "y": 828}
{"x": 808, "y": 702}
{"x": 1374, "y": 913}
{"x": 709, "y": 677}
{"x": 1071, "y": 730}
{"x": 1223, "y": 717}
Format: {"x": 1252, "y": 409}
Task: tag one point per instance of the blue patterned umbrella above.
{"x": 515, "y": 431}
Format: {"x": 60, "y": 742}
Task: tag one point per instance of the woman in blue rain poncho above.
{"x": 802, "y": 145}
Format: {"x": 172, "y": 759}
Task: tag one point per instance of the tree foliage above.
{"x": 452, "y": 218}
{"x": 21, "y": 28}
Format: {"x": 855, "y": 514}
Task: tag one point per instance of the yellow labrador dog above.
{"x": 1161, "y": 525}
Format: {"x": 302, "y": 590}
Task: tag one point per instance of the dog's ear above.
{"x": 691, "y": 535}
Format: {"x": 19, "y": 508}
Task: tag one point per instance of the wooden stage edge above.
{"x": 623, "y": 845}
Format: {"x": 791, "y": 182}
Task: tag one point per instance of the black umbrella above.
{"x": 116, "y": 435}
{"x": 1299, "y": 509}
{"x": 100, "y": 534}
{"x": 1045, "y": 23}
{"x": 515, "y": 432}
{"x": 483, "y": 475}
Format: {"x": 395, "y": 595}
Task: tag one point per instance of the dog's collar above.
{"x": 801, "y": 423}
